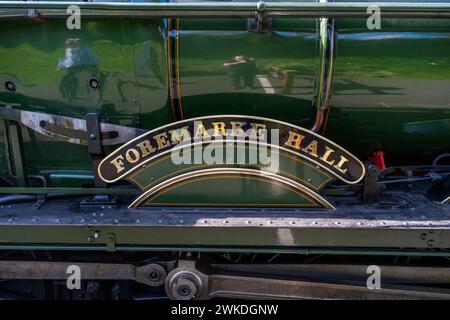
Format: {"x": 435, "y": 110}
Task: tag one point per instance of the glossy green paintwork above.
{"x": 238, "y": 189}
{"x": 391, "y": 89}
{"x": 284, "y": 164}
{"x": 51, "y": 67}
{"x": 231, "y": 191}
{"x": 206, "y": 85}
{"x": 390, "y": 85}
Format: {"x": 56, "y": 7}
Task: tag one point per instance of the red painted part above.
{"x": 377, "y": 159}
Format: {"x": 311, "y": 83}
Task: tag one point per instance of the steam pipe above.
{"x": 240, "y": 9}
{"x": 325, "y": 78}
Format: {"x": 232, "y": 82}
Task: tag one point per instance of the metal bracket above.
{"x": 371, "y": 186}
{"x": 40, "y": 200}
{"x": 95, "y": 145}
{"x": 15, "y": 148}
{"x": 261, "y": 23}
{"x": 111, "y": 242}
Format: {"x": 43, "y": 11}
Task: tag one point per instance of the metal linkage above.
{"x": 69, "y": 129}
{"x": 182, "y": 279}
{"x": 188, "y": 283}
{"x": 237, "y": 9}
{"x": 152, "y": 274}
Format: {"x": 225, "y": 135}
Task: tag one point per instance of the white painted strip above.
{"x": 265, "y": 83}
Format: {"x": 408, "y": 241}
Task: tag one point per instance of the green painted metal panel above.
{"x": 258, "y": 86}
{"x": 287, "y": 165}
{"x": 391, "y": 89}
{"x": 52, "y": 66}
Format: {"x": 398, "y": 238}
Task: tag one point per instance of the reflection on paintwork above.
{"x": 51, "y": 68}
{"x": 242, "y": 71}
{"x": 77, "y": 59}
{"x": 236, "y": 71}
{"x": 391, "y": 91}
{"x": 367, "y": 36}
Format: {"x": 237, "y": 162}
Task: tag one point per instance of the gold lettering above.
{"x": 340, "y": 164}
{"x": 311, "y": 148}
{"x": 180, "y": 135}
{"x": 118, "y": 163}
{"x": 146, "y": 148}
{"x": 202, "y": 131}
{"x": 326, "y": 155}
{"x": 257, "y": 130}
{"x": 236, "y": 129}
{"x": 136, "y": 155}
{"x": 219, "y": 127}
{"x": 161, "y": 140}
{"x": 294, "y": 140}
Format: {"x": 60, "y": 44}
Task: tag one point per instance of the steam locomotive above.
{"x": 195, "y": 149}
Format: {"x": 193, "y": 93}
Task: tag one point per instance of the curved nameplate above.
{"x": 298, "y": 141}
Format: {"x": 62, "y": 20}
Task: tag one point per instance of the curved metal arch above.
{"x": 282, "y": 173}
{"x": 233, "y": 171}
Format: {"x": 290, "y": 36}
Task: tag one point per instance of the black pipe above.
{"x": 14, "y": 198}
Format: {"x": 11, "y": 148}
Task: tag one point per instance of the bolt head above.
{"x": 261, "y": 5}
{"x": 94, "y": 83}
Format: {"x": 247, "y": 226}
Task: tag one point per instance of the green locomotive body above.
{"x": 245, "y": 131}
